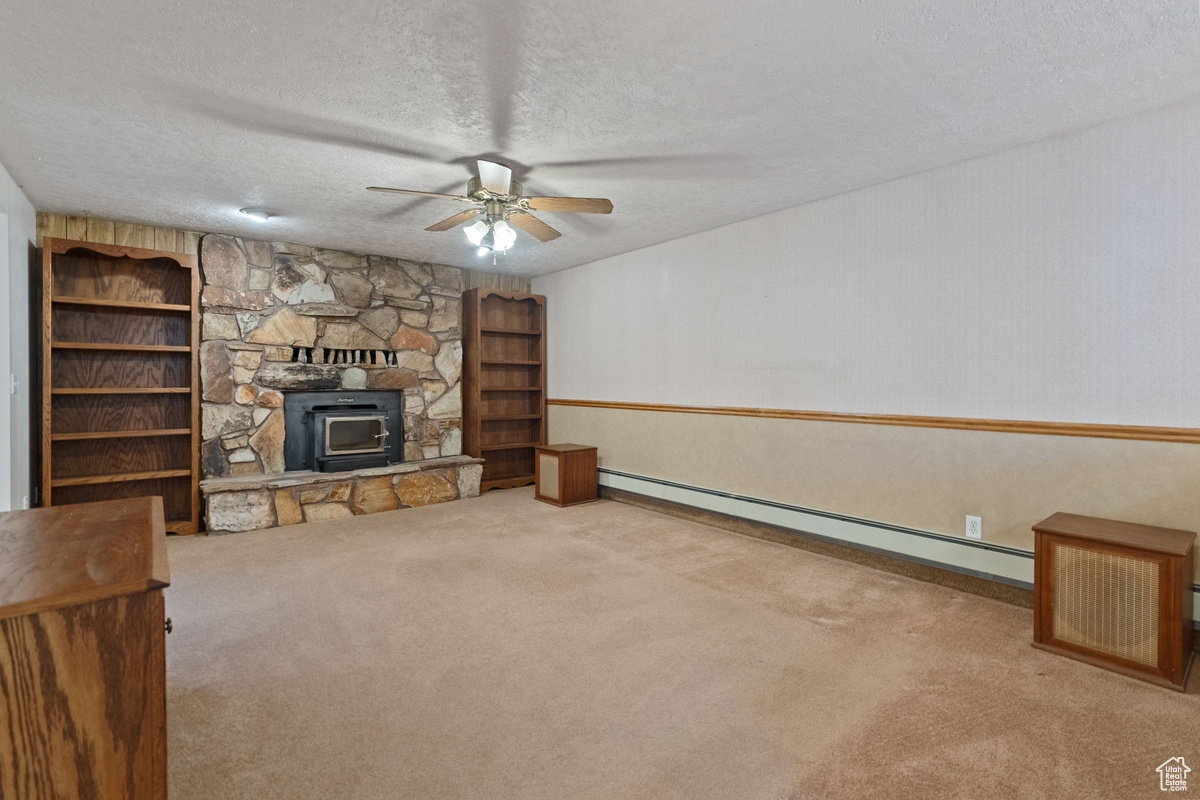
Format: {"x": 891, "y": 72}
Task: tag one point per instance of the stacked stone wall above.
{"x": 278, "y": 316}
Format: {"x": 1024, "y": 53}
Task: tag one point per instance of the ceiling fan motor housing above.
{"x": 495, "y": 210}
{"x": 476, "y": 191}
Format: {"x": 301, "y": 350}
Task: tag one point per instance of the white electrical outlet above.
{"x": 974, "y": 527}
{"x": 25, "y": 501}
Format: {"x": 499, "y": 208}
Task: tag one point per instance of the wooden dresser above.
{"x": 83, "y": 651}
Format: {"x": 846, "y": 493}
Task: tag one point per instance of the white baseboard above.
{"x": 995, "y": 562}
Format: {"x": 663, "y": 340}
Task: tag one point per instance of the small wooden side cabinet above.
{"x": 1115, "y": 594}
{"x": 566, "y": 474}
{"x": 83, "y": 709}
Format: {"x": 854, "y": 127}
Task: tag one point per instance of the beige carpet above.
{"x": 504, "y": 648}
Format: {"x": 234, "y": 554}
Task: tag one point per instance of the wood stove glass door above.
{"x": 358, "y": 434}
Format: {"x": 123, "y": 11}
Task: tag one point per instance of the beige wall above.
{"x": 918, "y": 477}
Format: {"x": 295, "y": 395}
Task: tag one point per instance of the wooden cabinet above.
{"x": 120, "y": 403}
{"x": 504, "y": 383}
{"x": 566, "y": 474}
{"x": 83, "y": 651}
{"x": 1115, "y": 594}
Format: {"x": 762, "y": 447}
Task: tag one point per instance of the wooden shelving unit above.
{"x": 504, "y": 383}
{"x": 120, "y": 377}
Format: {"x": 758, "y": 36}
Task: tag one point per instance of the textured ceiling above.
{"x": 686, "y": 115}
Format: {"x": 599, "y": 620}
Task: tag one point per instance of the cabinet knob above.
{"x": 168, "y": 625}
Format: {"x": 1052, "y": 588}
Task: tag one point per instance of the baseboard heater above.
{"x": 982, "y": 559}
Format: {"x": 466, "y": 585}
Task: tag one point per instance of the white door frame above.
{"x": 6, "y": 362}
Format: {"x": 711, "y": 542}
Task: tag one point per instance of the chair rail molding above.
{"x": 1095, "y": 430}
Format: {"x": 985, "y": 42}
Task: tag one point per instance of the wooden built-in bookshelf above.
{"x": 504, "y": 383}
{"x": 120, "y": 403}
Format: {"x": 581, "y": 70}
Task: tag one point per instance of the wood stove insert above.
{"x": 336, "y": 431}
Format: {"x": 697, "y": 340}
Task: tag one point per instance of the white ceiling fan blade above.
{"x": 494, "y": 177}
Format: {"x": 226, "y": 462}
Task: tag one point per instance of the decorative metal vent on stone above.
{"x": 326, "y": 355}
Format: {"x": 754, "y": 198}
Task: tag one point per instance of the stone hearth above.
{"x": 269, "y": 501}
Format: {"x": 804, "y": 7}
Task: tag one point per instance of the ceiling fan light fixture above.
{"x": 504, "y": 234}
{"x": 476, "y": 231}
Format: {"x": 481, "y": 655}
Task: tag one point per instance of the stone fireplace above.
{"x": 280, "y": 318}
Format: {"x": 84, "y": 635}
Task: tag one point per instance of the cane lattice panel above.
{"x": 1107, "y": 603}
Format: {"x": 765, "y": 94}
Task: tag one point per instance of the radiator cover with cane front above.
{"x": 1115, "y": 594}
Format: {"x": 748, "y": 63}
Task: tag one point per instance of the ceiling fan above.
{"x": 502, "y": 205}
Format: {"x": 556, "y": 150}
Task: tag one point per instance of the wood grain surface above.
{"x": 85, "y": 273}
{"x": 126, "y": 326}
{"x": 83, "y": 652}
{"x": 1127, "y": 534}
{"x": 45, "y": 564}
{"x": 104, "y": 231}
{"x": 83, "y": 703}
